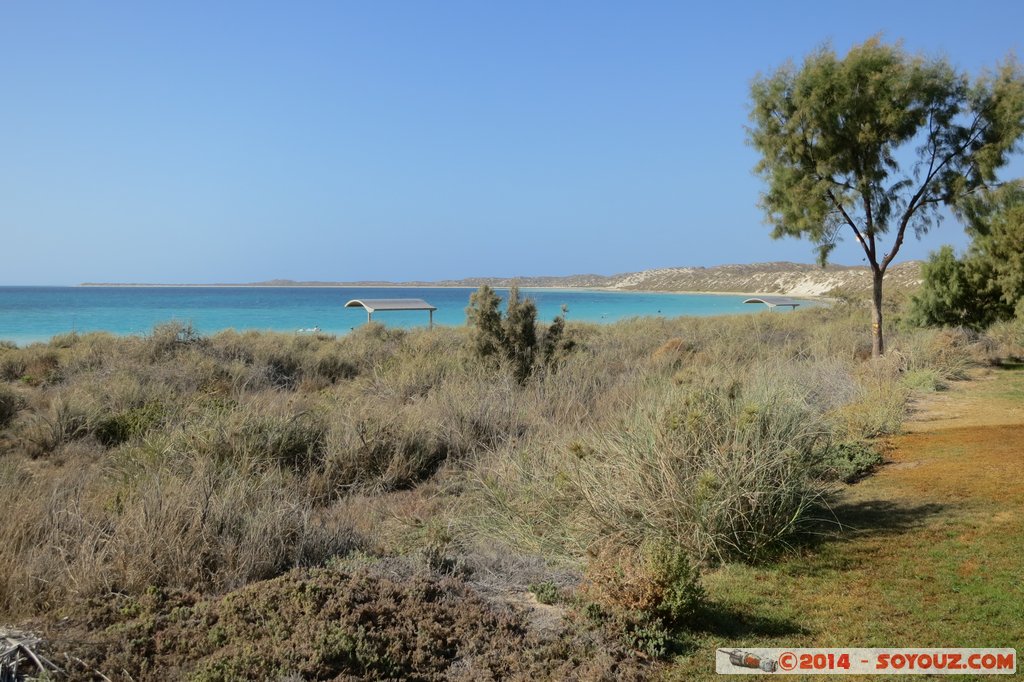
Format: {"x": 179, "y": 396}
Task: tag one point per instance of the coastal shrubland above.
{"x": 608, "y": 477}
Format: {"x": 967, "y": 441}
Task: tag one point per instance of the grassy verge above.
{"x": 929, "y": 555}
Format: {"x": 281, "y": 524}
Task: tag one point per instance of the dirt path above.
{"x": 962, "y": 448}
{"x": 932, "y": 551}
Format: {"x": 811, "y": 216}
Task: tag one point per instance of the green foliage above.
{"x": 647, "y": 635}
{"x": 848, "y": 461}
{"x": 546, "y": 592}
{"x": 520, "y": 334}
{"x": 995, "y": 220}
{"x": 122, "y": 426}
{"x": 828, "y": 135}
{"x": 831, "y": 132}
{"x": 950, "y": 295}
{"x": 555, "y": 346}
{"x": 987, "y": 284}
{"x": 484, "y": 317}
{"x": 513, "y": 339}
{"x": 678, "y": 582}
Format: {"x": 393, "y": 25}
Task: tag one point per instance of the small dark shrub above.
{"x": 546, "y": 592}
{"x": 647, "y": 635}
{"x": 10, "y": 404}
{"x": 284, "y": 369}
{"x": 555, "y": 345}
{"x": 484, "y": 317}
{"x": 12, "y": 367}
{"x": 132, "y": 423}
{"x": 848, "y": 461}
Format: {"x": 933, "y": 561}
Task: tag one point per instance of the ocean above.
{"x": 29, "y": 314}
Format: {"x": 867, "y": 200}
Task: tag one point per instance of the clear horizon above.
{"x": 235, "y": 143}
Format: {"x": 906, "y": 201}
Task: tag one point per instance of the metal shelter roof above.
{"x": 374, "y": 304}
{"x": 775, "y": 301}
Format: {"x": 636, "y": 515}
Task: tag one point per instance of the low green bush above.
{"x": 848, "y": 461}
{"x": 678, "y": 579}
{"x": 647, "y": 635}
{"x": 546, "y": 592}
{"x": 924, "y": 380}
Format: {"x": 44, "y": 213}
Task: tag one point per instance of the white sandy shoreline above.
{"x": 610, "y": 290}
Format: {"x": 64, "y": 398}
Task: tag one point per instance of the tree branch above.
{"x": 853, "y": 225}
{"x": 918, "y": 200}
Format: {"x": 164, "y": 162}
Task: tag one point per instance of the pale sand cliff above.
{"x": 793, "y": 279}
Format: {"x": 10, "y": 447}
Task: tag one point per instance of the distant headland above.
{"x": 795, "y": 279}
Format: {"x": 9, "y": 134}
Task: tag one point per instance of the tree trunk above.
{"x": 877, "y": 343}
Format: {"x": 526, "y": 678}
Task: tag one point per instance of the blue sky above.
{"x": 226, "y": 142}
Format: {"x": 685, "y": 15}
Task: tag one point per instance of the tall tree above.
{"x": 877, "y": 142}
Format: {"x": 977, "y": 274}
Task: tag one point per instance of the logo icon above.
{"x": 745, "y": 659}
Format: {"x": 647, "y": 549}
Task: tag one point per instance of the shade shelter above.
{"x": 775, "y": 302}
{"x": 373, "y": 305}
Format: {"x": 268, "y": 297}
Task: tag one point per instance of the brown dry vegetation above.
{"x": 349, "y": 621}
{"x": 155, "y": 486}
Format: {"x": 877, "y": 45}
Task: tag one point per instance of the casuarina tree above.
{"x": 873, "y": 144}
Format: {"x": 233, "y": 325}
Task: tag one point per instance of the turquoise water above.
{"x": 36, "y": 313}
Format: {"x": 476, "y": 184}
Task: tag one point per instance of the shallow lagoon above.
{"x": 37, "y": 313}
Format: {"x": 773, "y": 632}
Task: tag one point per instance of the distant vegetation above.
{"x": 153, "y": 485}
